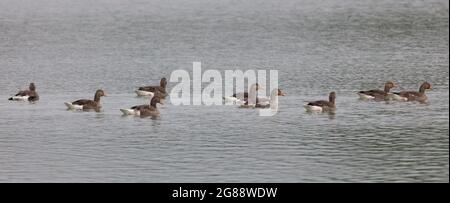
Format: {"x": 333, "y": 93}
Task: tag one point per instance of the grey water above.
{"x": 71, "y": 48}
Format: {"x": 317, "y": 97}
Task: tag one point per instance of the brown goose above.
{"x": 322, "y": 105}
{"x": 144, "y": 110}
{"x": 377, "y": 94}
{"x": 86, "y": 104}
{"x": 419, "y": 96}
{"x": 150, "y": 90}
{"x": 30, "y": 94}
{"x": 151, "y": 110}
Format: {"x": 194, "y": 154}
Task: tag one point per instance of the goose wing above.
{"x": 321, "y": 103}
{"x": 24, "y": 93}
{"x": 140, "y": 107}
{"x": 409, "y": 94}
{"x": 149, "y": 88}
{"x": 83, "y": 102}
{"x": 372, "y": 92}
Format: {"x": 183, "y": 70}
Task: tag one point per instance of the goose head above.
{"x": 425, "y": 86}
{"x": 281, "y": 93}
{"x": 332, "y": 97}
{"x": 389, "y": 85}
{"x": 99, "y": 93}
{"x": 163, "y": 82}
{"x": 32, "y": 87}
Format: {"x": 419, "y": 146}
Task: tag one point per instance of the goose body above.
{"x": 129, "y": 112}
{"x": 72, "y": 106}
{"x": 26, "y": 95}
{"x": 86, "y": 104}
{"x": 410, "y": 96}
{"x": 322, "y": 105}
{"x": 363, "y": 96}
{"x": 312, "y": 108}
{"x": 377, "y": 94}
{"x": 135, "y": 110}
{"x": 396, "y": 97}
{"x": 419, "y": 96}
{"x": 150, "y": 90}
{"x": 144, "y": 110}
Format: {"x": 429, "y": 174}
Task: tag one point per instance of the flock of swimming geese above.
{"x": 248, "y": 99}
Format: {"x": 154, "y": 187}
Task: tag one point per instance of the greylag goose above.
{"x": 30, "y": 94}
{"x": 144, "y": 110}
{"x": 377, "y": 94}
{"x": 322, "y": 105}
{"x": 150, "y": 90}
{"x": 419, "y": 96}
{"x": 86, "y": 104}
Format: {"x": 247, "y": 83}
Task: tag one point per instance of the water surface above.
{"x": 71, "y": 48}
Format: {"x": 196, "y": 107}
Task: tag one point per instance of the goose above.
{"x": 322, "y": 105}
{"x": 30, "y": 94}
{"x": 150, "y": 90}
{"x": 144, "y": 110}
{"x": 86, "y": 104}
{"x": 419, "y": 96}
{"x": 377, "y": 94}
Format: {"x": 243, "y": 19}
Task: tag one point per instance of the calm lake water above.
{"x": 71, "y": 48}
